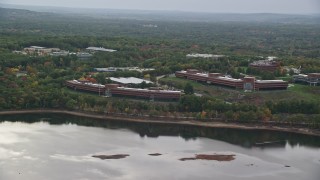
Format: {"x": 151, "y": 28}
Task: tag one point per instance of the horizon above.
{"x": 37, "y": 8}
{"x": 310, "y": 7}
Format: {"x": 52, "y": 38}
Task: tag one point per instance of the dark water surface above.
{"x": 60, "y": 147}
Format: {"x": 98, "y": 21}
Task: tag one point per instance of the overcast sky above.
{"x": 233, "y": 6}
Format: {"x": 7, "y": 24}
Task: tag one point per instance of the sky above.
{"x": 214, "y": 6}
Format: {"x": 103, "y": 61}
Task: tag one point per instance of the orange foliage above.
{"x": 91, "y": 80}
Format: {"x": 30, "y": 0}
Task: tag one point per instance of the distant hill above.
{"x": 173, "y": 16}
{"x": 237, "y": 31}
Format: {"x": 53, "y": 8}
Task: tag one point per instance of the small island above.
{"x": 155, "y": 154}
{"x": 214, "y": 157}
{"x": 116, "y": 156}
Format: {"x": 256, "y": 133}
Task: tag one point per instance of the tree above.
{"x": 291, "y": 72}
{"x": 267, "y": 76}
{"x": 190, "y": 103}
{"x": 188, "y": 89}
{"x": 71, "y": 104}
{"x": 228, "y": 115}
{"x": 101, "y": 78}
{"x": 143, "y": 84}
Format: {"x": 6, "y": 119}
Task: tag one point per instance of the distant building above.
{"x": 21, "y": 73}
{"x": 37, "y": 50}
{"x": 213, "y": 56}
{"x": 150, "y": 25}
{"x": 265, "y": 65}
{"x": 40, "y": 51}
{"x": 313, "y": 79}
{"x": 37, "y": 47}
{"x": 86, "y": 86}
{"x": 117, "y": 90}
{"x": 272, "y": 58}
{"x": 247, "y": 83}
{"x": 128, "y": 80}
{"x": 84, "y": 55}
{"x": 60, "y": 53}
{"x": 100, "y": 49}
{"x": 113, "y": 69}
{"x": 109, "y": 69}
{"x": 19, "y": 52}
{"x": 294, "y": 70}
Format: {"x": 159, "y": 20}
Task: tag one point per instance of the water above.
{"x": 56, "y": 147}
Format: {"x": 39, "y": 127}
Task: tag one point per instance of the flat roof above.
{"x": 37, "y": 47}
{"x": 105, "y": 69}
{"x": 112, "y": 69}
{"x": 129, "y": 80}
{"x": 300, "y": 75}
{"x": 100, "y": 49}
{"x": 202, "y": 74}
{"x": 148, "y": 90}
{"x": 87, "y": 83}
{"x": 270, "y": 81}
{"x": 228, "y": 79}
{"x": 196, "y": 55}
{"x": 264, "y": 63}
{"x": 84, "y": 54}
{"x": 270, "y": 58}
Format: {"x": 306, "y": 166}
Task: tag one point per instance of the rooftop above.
{"x": 87, "y": 83}
{"x": 202, "y": 74}
{"x": 112, "y": 69}
{"x": 271, "y": 58}
{"x": 100, "y": 49}
{"x": 37, "y": 47}
{"x": 264, "y": 63}
{"x": 228, "y": 79}
{"x": 318, "y": 74}
{"x": 148, "y": 90}
{"x": 129, "y": 80}
{"x": 300, "y": 75}
{"x": 84, "y": 54}
{"x": 270, "y": 81}
{"x": 195, "y": 55}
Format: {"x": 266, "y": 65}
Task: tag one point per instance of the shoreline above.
{"x": 305, "y": 131}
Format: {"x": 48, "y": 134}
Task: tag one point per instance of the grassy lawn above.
{"x": 295, "y": 91}
{"x": 306, "y": 92}
{"x": 180, "y": 82}
{"x": 203, "y": 88}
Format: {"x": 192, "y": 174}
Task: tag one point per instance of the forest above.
{"x": 163, "y": 48}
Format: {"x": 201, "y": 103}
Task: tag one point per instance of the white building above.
{"x": 129, "y": 80}
{"x": 100, "y": 49}
{"x": 113, "y": 69}
{"x": 213, "y": 56}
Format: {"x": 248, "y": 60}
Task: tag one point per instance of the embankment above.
{"x": 217, "y": 124}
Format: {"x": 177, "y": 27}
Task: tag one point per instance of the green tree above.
{"x": 190, "y": 103}
{"x": 188, "y": 89}
{"x": 71, "y": 104}
{"x": 101, "y": 78}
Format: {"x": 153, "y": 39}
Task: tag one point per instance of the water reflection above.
{"x": 31, "y": 148}
{"x": 245, "y": 138}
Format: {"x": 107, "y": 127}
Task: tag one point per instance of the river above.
{"x": 48, "y": 146}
